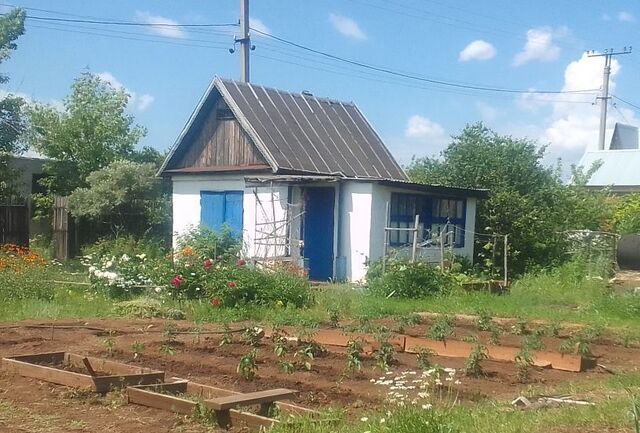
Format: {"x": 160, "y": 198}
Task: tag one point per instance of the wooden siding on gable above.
{"x": 220, "y": 143}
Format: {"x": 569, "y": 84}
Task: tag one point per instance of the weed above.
{"x": 197, "y": 330}
{"x": 404, "y": 321}
{"x": 251, "y": 335}
{"x": 472, "y": 365}
{"x": 247, "y": 367}
{"x": 307, "y": 355}
{"x": 495, "y": 332}
{"x": 635, "y": 413}
{"x": 580, "y": 342}
{"x": 553, "y": 329}
{"x": 524, "y": 362}
{"x": 441, "y": 328}
{"x": 227, "y": 336}
{"x": 137, "y": 348}
{"x": 385, "y": 354}
{"x": 423, "y": 357}
{"x": 533, "y": 342}
{"x": 286, "y": 367}
{"x": 110, "y": 343}
{"x": 281, "y": 345}
{"x": 354, "y": 355}
{"x": 202, "y": 413}
{"x": 334, "y": 317}
{"x": 521, "y": 327}
{"x": 484, "y": 321}
{"x": 170, "y": 332}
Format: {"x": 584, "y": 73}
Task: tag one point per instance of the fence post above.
{"x": 415, "y": 239}
{"x": 506, "y": 248}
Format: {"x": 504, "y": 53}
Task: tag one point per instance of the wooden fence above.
{"x": 65, "y": 230}
{"x": 14, "y": 224}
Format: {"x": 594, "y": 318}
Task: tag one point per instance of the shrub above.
{"x": 207, "y": 243}
{"x": 409, "y": 280}
{"x": 23, "y": 274}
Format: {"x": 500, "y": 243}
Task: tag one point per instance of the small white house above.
{"x": 304, "y": 179}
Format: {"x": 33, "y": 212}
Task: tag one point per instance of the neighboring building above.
{"x": 30, "y": 171}
{"x": 304, "y": 179}
{"x": 620, "y": 164}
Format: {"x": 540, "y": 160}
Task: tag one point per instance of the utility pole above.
{"x": 244, "y": 40}
{"x": 604, "y": 96}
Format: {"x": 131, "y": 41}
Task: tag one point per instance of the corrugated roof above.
{"x": 302, "y": 133}
{"x": 619, "y": 167}
{"x": 624, "y": 137}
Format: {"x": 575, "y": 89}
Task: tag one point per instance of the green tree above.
{"x": 627, "y": 214}
{"x": 12, "y": 119}
{"x": 527, "y": 200}
{"x": 126, "y": 195}
{"x": 92, "y": 131}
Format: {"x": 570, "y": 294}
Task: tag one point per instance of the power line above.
{"x": 127, "y": 23}
{"x": 413, "y": 76}
{"x": 627, "y": 102}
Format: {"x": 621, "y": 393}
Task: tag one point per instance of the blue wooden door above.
{"x": 219, "y": 209}
{"x": 318, "y": 232}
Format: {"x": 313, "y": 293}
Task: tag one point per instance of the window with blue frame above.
{"x": 220, "y": 209}
{"x": 436, "y": 215}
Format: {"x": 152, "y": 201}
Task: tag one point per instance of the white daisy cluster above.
{"x": 124, "y": 272}
{"x": 420, "y": 389}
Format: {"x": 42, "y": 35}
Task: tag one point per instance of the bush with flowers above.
{"x": 223, "y": 278}
{"x": 23, "y": 274}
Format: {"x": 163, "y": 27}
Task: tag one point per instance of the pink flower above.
{"x": 177, "y": 281}
{"x": 216, "y": 302}
{"x": 231, "y": 284}
{"x": 241, "y": 262}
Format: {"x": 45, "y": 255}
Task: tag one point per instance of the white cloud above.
{"x": 540, "y": 45}
{"x": 162, "y": 26}
{"x": 347, "y": 27}
{"x": 259, "y": 25}
{"x": 626, "y": 17}
{"x": 136, "y": 102}
{"x": 477, "y": 50}
{"x": 488, "y": 113}
{"x": 419, "y": 127}
{"x": 574, "y": 122}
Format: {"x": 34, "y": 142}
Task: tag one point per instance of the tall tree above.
{"x": 528, "y": 200}
{"x": 92, "y": 131}
{"x": 12, "y": 121}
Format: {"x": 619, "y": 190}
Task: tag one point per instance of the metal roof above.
{"x": 301, "y": 133}
{"x": 624, "y": 137}
{"x": 620, "y": 168}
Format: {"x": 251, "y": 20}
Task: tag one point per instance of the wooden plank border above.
{"x": 124, "y": 375}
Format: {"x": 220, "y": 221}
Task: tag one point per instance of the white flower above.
{"x": 108, "y": 264}
{"x": 382, "y": 420}
{"x": 457, "y": 382}
{"x": 197, "y": 289}
{"x": 141, "y": 256}
{"x": 125, "y": 258}
{"x": 158, "y": 290}
{"x": 426, "y": 406}
{"x": 364, "y": 419}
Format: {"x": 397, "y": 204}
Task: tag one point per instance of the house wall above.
{"x": 186, "y": 197}
{"x": 382, "y": 196}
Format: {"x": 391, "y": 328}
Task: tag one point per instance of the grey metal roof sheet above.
{"x": 619, "y": 167}
{"x": 302, "y": 133}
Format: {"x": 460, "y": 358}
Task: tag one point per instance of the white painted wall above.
{"x": 186, "y": 197}
{"x": 355, "y": 218}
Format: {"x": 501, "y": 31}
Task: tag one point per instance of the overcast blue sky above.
{"x": 498, "y": 43}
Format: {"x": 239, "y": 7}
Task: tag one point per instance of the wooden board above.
{"x": 461, "y": 349}
{"x": 124, "y": 375}
{"x": 248, "y": 399}
{"x": 145, "y": 397}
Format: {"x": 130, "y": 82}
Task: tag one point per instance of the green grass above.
{"x": 610, "y": 413}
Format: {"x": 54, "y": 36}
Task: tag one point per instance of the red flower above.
{"x": 216, "y": 302}
{"x": 241, "y": 262}
{"x": 231, "y": 284}
{"x": 177, "y": 281}
{"x": 208, "y": 264}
